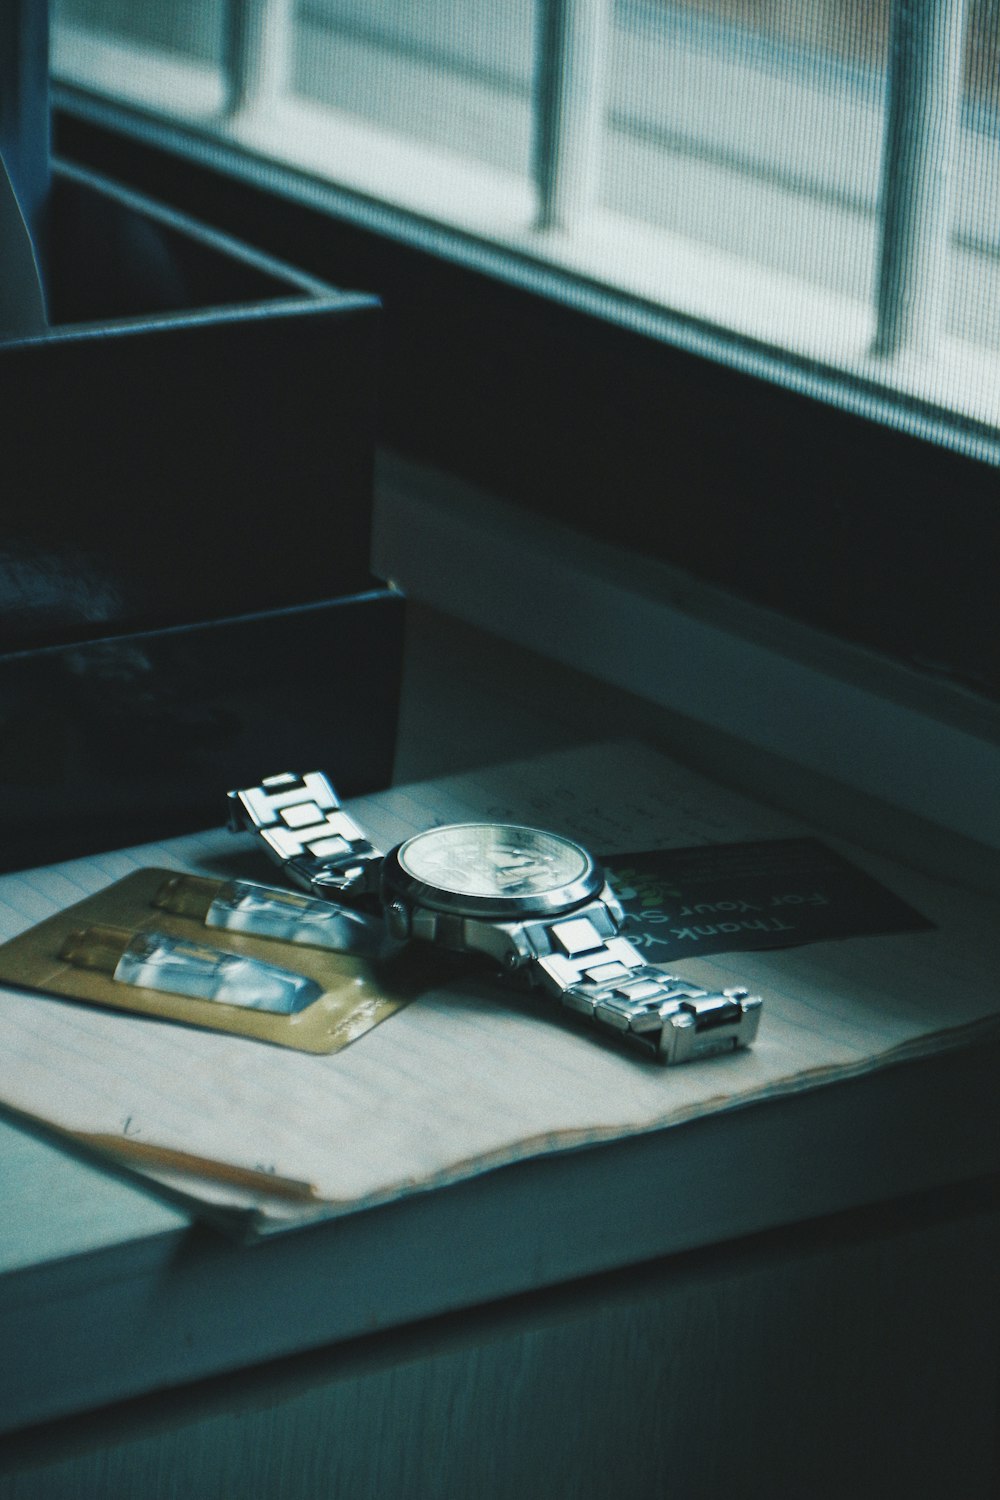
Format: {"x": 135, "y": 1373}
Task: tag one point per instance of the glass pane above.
{"x": 753, "y": 126}
{"x": 975, "y": 309}
{"x": 454, "y": 74}
{"x": 192, "y": 28}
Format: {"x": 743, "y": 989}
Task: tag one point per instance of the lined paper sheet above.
{"x": 472, "y": 1075}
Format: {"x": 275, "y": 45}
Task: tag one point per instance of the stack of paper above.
{"x": 470, "y": 1075}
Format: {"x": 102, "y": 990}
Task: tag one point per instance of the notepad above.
{"x": 472, "y": 1075}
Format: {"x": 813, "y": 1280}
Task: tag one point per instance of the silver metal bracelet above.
{"x": 607, "y": 980}
{"x": 308, "y": 834}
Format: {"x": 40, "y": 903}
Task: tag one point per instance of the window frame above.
{"x": 813, "y": 497}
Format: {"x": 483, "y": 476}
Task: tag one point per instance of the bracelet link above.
{"x": 608, "y": 981}
{"x": 307, "y": 832}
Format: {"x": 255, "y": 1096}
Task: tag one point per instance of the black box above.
{"x": 185, "y": 598}
{"x": 136, "y": 737}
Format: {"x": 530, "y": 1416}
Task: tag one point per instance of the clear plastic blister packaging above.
{"x": 221, "y": 954}
{"x": 269, "y": 911}
{"x": 176, "y": 966}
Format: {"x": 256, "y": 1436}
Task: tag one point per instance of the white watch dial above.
{"x": 493, "y": 859}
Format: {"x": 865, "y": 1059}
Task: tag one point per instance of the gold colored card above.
{"x": 172, "y": 966}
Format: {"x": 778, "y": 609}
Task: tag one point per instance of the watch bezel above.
{"x": 399, "y": 884}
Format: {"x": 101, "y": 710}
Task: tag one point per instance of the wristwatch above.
{"x": 536, "y": 903}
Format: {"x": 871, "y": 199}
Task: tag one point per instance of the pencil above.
{"x": 168, "y": 1159}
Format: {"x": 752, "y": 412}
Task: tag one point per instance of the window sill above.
{"x": 885, "y": 755}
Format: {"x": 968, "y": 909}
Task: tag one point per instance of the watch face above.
{"x": 494, "y": 861}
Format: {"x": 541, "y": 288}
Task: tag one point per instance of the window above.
{"x": 680, "y": 362}
{"x": 719, "y": 159}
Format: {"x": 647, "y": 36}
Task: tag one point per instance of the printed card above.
{"x": 719, "y": 898}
